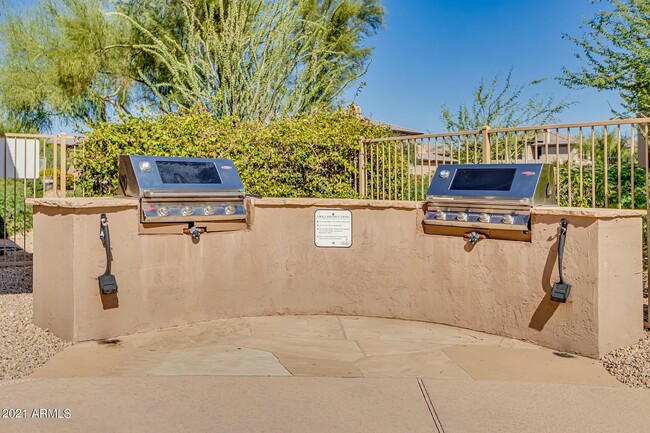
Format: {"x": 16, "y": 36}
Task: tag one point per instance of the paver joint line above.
{"x": 363, "y": 352}
{"x": 429, "y": 403}
{"x": 280, "y": 362}
{"x": 345, "y": 335}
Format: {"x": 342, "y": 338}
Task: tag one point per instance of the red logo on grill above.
{"x": 226, "y": 167}
{"x": 528, "y": 173}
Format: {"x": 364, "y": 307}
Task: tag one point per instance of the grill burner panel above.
{"x": 494, "y": 220}
{"x": 204, "y": 211}
{"x": 183, "y": 189}
{"x": 489, "y": 196}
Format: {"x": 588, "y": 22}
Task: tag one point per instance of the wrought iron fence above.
{"x": 598, "y": 164}
{"x": 32, "y": 165}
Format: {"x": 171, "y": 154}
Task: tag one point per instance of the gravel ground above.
{"x": 23, "y": 346}
{"x": 631, "y": 365}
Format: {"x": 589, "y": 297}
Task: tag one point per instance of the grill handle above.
{"x": 191, "y": 194}
{"x": 501, "y": 204}
{"x": 107, "y": 281}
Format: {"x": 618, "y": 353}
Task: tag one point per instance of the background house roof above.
{"x": 396, "y": 129}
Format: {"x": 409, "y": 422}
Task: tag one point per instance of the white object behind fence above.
{"x": 19, "y": 158}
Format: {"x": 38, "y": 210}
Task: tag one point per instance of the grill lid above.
{"x": 175, "y": 177}
{"x": 502, "y": 184}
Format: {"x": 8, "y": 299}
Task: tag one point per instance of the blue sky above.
{"x": 435, "y": 52}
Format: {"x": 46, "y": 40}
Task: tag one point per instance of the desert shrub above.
{"x": 311, "y": 155}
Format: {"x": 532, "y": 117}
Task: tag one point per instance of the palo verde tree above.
{"x": 58, "y": 63}
{"x": 346, "y": 24}
{"x": 500, "y": 104}
{"x": 94, "y": 60}
{"x": 252, "y": 59}
{"x": 614, "y": 48}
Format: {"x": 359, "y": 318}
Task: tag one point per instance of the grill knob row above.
{"x": 462, "y": 216}
{"x": 208, "y": 210}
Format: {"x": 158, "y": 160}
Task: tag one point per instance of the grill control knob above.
{"x": 484, "y": 218}
{"x": 209, "y": 210}
{"x": 144, "y": 166}
{"x": 508, "y": 219}
{"x": 440, "y": 215}
{"x": 444, "y": 174}
{"x": 163, "y": 211}
{"x": 462, "y": 216}
{"x": 187, "y": 211}
{"x": 230, "y": 209}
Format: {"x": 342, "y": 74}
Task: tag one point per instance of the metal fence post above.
{"x": 63, "y": 164}
{"x": 55, "y": 165}
{"x": 485, "y": 130}
{"x": 362, "y": 168}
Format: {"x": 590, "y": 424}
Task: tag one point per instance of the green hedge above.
{"x": 310, "y": 155}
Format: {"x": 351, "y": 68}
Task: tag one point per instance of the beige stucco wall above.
{"x": 393, "y": 269}
{"x": 620, "y": 268}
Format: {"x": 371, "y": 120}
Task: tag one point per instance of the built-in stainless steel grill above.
{"x": 191, "y": 190}
{"x": 488, "y": 196}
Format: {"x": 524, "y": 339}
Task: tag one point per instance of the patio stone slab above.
{"x": 297, "y": 327}
{"x": 435, "y": 365}
{"x": 330, "y": 349}
{"x": 319, "y": 367}
{"x": 195, "y": 335}
{"x": 389, "y": 347}
{"x": 368, "y": 328}
{"x": 478, "y": 337}
{"x": 218, "y": 361}
{"x": 520, "y": 344}
{"x": 508, "y": 363}
{"x": 83, "y": 360}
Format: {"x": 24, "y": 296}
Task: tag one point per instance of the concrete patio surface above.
{"x": 319, "y": 404}
{"x": 313, "y": 346}
{"x": 322, "y": 374}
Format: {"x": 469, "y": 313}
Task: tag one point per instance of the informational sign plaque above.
{"x": 333, "y": 228}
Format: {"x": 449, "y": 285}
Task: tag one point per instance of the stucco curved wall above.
{"x": 393, "y": 269}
